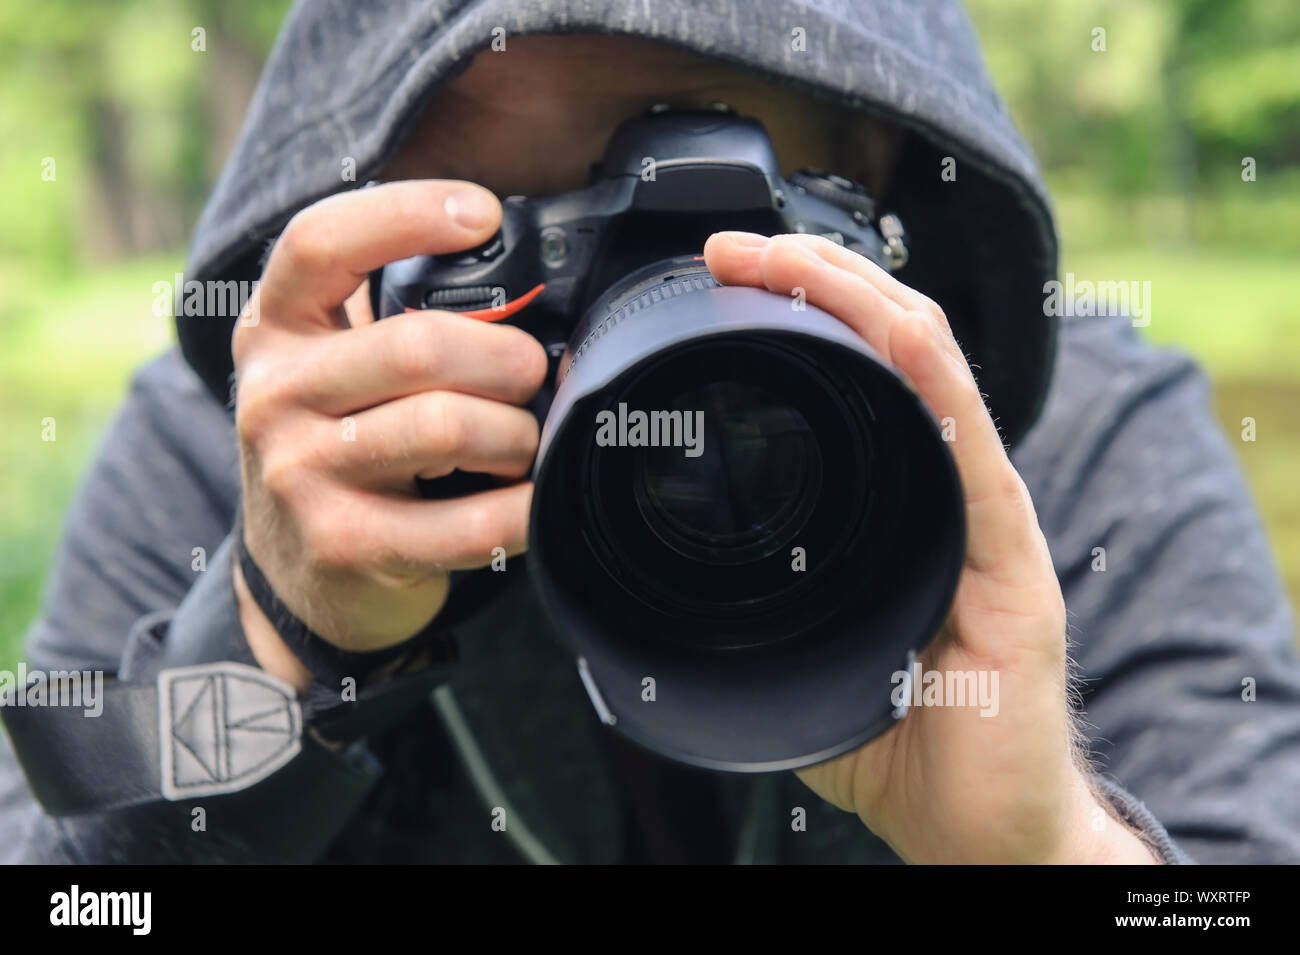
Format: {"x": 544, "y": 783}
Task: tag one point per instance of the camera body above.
{"x": 667, "y": 181}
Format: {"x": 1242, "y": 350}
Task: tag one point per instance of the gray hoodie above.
{"x": 1118, "y": 449}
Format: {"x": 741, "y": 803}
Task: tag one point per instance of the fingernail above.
{"x": 748, "y": 240}
{"x": 470, "y": 208}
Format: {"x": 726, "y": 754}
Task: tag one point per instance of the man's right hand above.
{"x": 337, "y": 414}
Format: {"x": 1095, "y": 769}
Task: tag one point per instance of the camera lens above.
{"x": 740, "y": 505}
{"x": 749, "y": 487}
{"x": 738, "y": 450}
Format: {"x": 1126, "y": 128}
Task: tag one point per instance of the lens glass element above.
{"x": 752, "y": 475}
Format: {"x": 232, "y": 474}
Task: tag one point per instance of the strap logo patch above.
{"x": 223, "y": 727}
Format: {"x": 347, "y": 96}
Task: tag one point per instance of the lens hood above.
{"x": 789, "y": 654}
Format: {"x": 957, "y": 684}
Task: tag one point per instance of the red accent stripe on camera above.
{"x": 496, "y": 314}
{"x": 505, "y": 311}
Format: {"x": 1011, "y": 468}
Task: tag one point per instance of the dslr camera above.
{"x": 744, "y": 521}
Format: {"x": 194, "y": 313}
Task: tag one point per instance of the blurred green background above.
{"x": 1142, "y": 142}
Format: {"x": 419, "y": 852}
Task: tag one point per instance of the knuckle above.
{"x": 255, "y": 409}
{"x": 416, "y": 345}
{"x": 934, "y": 312}
{"x": 818, "y": 243}
{"x": 280, "y": 473}
{"x": 413, "y": 217}
{"x": 1010, "y": 487}
{"x": 263, "y": 393}
{"x": 784, "y": 259}
{"x": 480, "y": 532}
{"x": 438, "y": 424}
{"x": 251, "y": 420}
{"x": 330, "y": 544}
{"x": 932, "y": 315}
{"x": 1016, "y": 503}
{"x": 784, "y": 244}
{"x": 305, "y": 243}
{"x": 243, "y": 338}
{"x": 305, "y": 383}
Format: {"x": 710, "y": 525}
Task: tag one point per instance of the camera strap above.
{"x": 196, "y": 731}
{"x": 203, "y": 730}
{"x": 206, "y": 729}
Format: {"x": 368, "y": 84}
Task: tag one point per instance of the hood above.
{"x": 351, "y": 79}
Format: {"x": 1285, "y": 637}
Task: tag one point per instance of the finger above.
{"x": 733, "y": 257}
{"x": 788, "y": 265}
{"x": 328, "y": 248}
{"x": 905, "y": 296}
{"x": 415, "y": 352}
{"x": 431, "y": 434}
{"x": 737, "y": 255}
{"x": 1000, "y": 517}
{"x": 454, "y": 534}
{"x": 864, "y": 268}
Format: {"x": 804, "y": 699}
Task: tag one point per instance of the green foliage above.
{"x": 1240, "y": 66}
{"x": 1180, "y": 94}
{"x": 74, "y": 75}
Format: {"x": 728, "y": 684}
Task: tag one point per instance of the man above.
{"x": 508, "y": 761}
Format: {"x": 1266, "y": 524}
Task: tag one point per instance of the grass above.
{"x": 1236, "y": 312}
{"x": 68, "y": 346}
